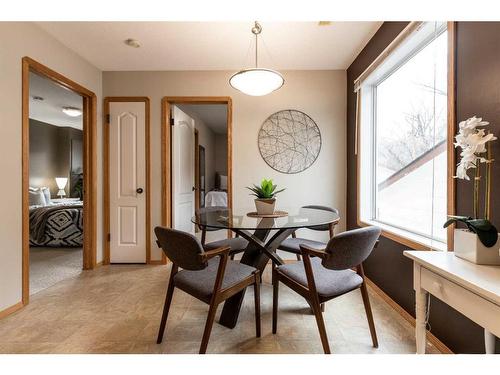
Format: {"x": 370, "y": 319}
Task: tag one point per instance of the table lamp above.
{"x": 61, "y": 184}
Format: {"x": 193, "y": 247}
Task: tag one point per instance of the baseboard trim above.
{"x": 406, "y": 316}
{"x": 157, "y": 262}
{"x": 11, "y": 310}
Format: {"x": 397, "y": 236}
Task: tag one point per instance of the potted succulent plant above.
{"x": 479, "y": 242}
{"x": 265, "y": 196}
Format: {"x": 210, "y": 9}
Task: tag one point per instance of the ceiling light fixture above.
{"x": 256, "y": 81}
{"x": 72, "y": 111}
{"x": 132, "y": 43}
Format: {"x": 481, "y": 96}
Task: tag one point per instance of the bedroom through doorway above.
{"x": 55, "y": 183}
{"x": 59, "y": 122}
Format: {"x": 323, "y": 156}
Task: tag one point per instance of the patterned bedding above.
{"x": 57, "y": 225}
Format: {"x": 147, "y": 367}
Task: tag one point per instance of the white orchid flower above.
{"x": 462, "y": 172}
{"x": 477, "y": 142}
{"x": 472, "y": 141}
{"x": 472, "y": 123}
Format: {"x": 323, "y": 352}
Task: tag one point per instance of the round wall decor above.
{"x": 289, "y": 141}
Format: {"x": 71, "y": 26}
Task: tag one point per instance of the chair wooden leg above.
{"x": 208, "y": 327}
{"x": 203, "y": 236}
{"x": 321, "y": 324}
{"x": 256, "y": 289}
{"x": 322, "y": 307}
{"x": 369, "y": 315}
{"x": 231, "y": 257}
{"x": 273, "y": 266}
{"x": 166, "y": 308}
{"x": 275, "y": 301}
{"x": 299, "y": 257}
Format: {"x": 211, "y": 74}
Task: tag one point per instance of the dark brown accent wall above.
{"x": 51, "y": 154}
{"x": 478, "y": 92}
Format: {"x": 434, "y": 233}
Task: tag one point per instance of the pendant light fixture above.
{"x": 256, "y": 81}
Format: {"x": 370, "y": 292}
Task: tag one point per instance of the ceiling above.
{"x": 213, "y": 115}
{"x": 55, "y": 97}
{"x": 214, "y": 45}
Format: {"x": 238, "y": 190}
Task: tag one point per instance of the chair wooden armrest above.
{"x": 220, "y": 251}
{"x": 307, "y": 250}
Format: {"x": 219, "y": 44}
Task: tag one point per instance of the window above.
{"x": 403, "y": 139}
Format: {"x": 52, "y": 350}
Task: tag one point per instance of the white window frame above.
{"x": 412, "y": 45}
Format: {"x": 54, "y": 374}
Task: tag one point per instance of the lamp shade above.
{"x": 61, "y": 182}
{"x": 257, "y": 81}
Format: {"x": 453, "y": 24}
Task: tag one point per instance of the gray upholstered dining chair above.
{"x": 292, "y": 245}
{"x": 204, "y": 277}
{"x": 237, "y": 244}
{"x": 327, "y": 274}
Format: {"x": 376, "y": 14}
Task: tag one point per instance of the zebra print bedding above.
{"x": 57, "y": 225}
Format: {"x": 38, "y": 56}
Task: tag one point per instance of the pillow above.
{"x": 37, "y": 198}
{"x": 46, "y": 193}
{"x": 223, "y": 182}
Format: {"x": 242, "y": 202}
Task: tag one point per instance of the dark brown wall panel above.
{"x": 50, "y": 153}
{"x": 478, "y": 92}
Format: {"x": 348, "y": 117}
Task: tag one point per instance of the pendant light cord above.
{"x": 256, "y": 49}
{"x": 256, "y": 30}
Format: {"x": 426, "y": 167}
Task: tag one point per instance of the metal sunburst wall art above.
{"x": 289, "y": 141}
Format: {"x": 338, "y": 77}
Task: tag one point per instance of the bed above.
{"x": 57, "y": 224}
{"x": 216, "y": 199}
{"x": 218, "y": 196}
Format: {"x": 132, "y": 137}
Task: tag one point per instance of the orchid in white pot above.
{"x": 477, "y": 243}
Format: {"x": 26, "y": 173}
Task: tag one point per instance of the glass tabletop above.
{"x": 222, "y": 218}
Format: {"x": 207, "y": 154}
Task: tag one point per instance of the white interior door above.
{"x": 127, "y": 181}
{"x": 183, "y": 171}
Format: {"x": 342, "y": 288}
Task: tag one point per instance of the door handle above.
{"x": 193, "y": 188}
{"x": 139, "y": 190}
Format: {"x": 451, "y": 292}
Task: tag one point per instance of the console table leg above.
{"x": 420, "y": 326}
{"x": 489, "y": 342}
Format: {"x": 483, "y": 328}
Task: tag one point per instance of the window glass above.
{"x": 409, "y": 143}
{"x": 404, "y": 139}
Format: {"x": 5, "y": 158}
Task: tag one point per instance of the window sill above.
{"x": 412, "y": 240}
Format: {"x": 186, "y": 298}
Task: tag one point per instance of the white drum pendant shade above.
{"x": 257, "y": 82}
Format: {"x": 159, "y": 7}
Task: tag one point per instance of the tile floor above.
{"x": 116, "y": 309}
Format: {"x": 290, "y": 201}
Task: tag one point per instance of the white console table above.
{"x": 471, "y": 289}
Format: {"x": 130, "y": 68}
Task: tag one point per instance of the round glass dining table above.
{"x": 264, "y": 236}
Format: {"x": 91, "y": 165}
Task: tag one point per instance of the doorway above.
{"x": 196, "y": 157}
{"x": 58, "y": 181}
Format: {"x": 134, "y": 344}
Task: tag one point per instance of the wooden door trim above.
{"x": 197, "y": 171}
{"x": 89, "y": 161}
{"x": 451, "y": 127}
{"x": 166, "y": 150}
{"x": 147, "y": 130}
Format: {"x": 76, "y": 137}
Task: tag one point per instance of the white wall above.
{"x": 16, "y": 41}
{"x": 320, "y": 94}
{"x": 206, "y": 138}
